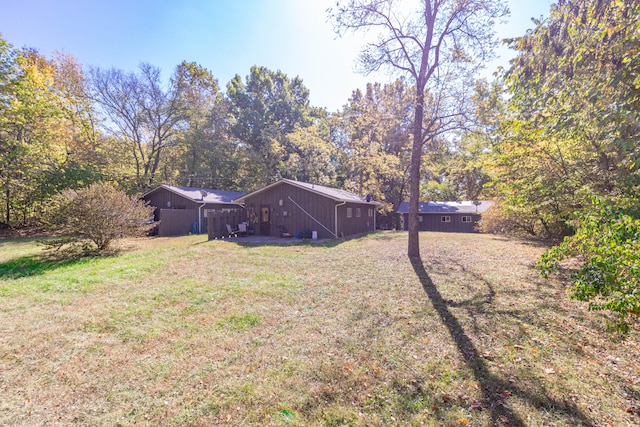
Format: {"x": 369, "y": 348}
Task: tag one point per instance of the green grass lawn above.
{"x": 182, "y": 331}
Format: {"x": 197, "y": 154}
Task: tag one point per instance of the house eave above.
{"x": 200, "y": 200}
{"x": 312, "y": 190}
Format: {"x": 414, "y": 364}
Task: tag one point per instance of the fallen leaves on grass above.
{"x": 476, "y": 406}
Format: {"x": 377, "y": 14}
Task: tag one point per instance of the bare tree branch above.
{"x": 457, "y": 37}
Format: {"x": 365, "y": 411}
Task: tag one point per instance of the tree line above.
{"x": 64, "y": 125}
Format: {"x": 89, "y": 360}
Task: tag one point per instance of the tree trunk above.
{"x": 8, "y": 206}
{"x": 413, "y": 249}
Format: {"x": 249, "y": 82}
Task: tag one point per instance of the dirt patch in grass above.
{"x": 183, "y": 331}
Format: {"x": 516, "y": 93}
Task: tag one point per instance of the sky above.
{"x": 225, "y": 36}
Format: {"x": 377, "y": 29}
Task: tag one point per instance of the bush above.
{"x": 500, "y": 220}
{"x": 92, "y": 218}
{"x": 607, "y": 246}
{"x": 523, "y": 220}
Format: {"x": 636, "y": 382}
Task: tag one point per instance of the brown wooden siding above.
{"x": 176, "y": 222}
{"x": 162, "y": 196}
{"x": 290, "y": 212}
{"x": 355, "y": 225}
{"x": 302, "y": 209}
{"x": 433, "y": 222}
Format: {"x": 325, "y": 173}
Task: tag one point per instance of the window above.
{"x": 370, "y": 212}
{"x": 357, "y": 212}
{"x": 445, "y": 218}
{"x": 349, "y": 212}
{"x": 420, "y": 218}
{"x": 466, "y": 219}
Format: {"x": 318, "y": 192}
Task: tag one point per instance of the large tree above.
{"x": 438, "y": 44}
{"x": 205, "y": 155}
{"x": 311, "y": 156}
{"x": 9, "y": 145}
{"x": 141, "y": 112}
{"x": 458, "y": 165}
{"x": 42, "y": 128}
{"x": 267, "y": 106}
{"x": 372, "y": 135}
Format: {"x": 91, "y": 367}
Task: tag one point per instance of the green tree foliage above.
{"x": 311, "y": 156}
{"x": 205, "y": 154}
{"x": 573, "y": 128}
{"x": 466, "y": 166}
{"x": 267, "y": 107}
{"x": 439, "y": 44}
{"x": 373, "y": 137}
{"x": 607, "y": 240}
{"x": 44, "y": 130}
{"x": 9, "y": 146}
{"x": 92, "y": 218}
{"x": 572, "y": 138}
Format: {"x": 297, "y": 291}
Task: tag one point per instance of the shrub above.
{"x": 607, "y": 246}
{"x": 500, "y": 220}
{"x": 92, "y": 218}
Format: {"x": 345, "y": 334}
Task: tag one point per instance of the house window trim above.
{"x": 467, "y": 219}
{"x": 358, "y": 212}
{"x": 349, "y": 212}
{"x": 445, "y": 218}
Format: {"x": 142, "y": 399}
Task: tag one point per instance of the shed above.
{"x": 295, "y": 206}
{"x": 459, "y": 217}
{"x": 183, "y": 210}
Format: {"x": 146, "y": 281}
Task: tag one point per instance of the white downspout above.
{"x": 200, "y": 218}
{"x": 375, "y": 217}
{"x": 336, "y": 216}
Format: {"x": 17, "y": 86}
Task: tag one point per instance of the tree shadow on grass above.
{"x": 26, "y": 266}
{"x": 491, "y": 385}
{"x": 35, "y": 265}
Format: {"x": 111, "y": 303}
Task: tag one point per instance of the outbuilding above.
{"x": 183, "y": 210}
{"x": 296, "y": 208}
{"x": 460, "y": 217}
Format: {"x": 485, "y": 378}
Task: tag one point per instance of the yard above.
{"x": 182, "y": 331}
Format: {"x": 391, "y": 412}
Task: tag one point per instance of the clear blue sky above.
{"x": 225, "y": 36}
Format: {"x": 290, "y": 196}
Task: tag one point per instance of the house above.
{"x": 460, "y": 217}
{"x": 183, "y": 210}
{"x": 294, "y": 207}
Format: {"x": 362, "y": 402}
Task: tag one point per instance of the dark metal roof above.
{"x": 332, "y": 193}
{"x": 202, "y": 195}
{"x": 462, "y": 207}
